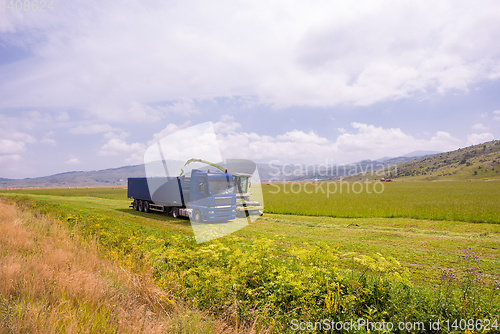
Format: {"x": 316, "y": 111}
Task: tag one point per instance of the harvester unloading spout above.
{"x": 202, "y": 161}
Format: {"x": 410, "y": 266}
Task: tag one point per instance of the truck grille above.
{"x": 223, "y": 200}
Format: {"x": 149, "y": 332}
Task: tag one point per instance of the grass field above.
{"x": 310, "y": 263}
{"x": 451, "y": 200}
{"x": 476, "y": 201}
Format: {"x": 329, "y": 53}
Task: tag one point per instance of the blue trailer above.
{"x": 204, "y": 196}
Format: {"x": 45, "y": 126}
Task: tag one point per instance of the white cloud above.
{"x": 307, "y": 53}
{"x": 63, "y": 116}
{"x": 184, "y": 107}
{"x": 497, "y": 115}
{"x": 371, "y": 136}
{"x": 116, "y": 146}
{"x": 442, "y": 141}
{"x": 10, "y": 147}
{"x": 137, "y": 157}
{"x": 478, "y": 138}
{"x": 116, "y": 143}
{"x": 364, "y": 141}
{"x": 226, "y": 125}
{"x": 33, "y": 120}
{"x": 48, "y": 140}
{"x": 375, "y": 142}
{"x": 361, "y": 141}
{"x": 24, "y": 137}
{"x": 168, "y": 130}
{"x": 9, "y": 158}
{"x": 136, "y": 112}
{"x": 92, "y": 129}
{"x": 8, "y": 130}
{"x": 302, "y": 137}
{"x": 121, "y": 135}
{"x": 73, "y": 161}
{"x": 479, "y": 126}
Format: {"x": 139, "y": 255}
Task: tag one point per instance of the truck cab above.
{"x": 211, "y": 196}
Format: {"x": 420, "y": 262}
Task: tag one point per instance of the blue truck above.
{"x": 204, "y": 196}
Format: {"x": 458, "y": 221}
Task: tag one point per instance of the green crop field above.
{"x": 100, "y": 192}
{"x": 403, "y": 255}
{"x": 448, "y": 200}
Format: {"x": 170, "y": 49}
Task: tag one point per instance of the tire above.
{"x": 140, "y": 206}
{"x": 135, "y": 206}
{"x": 197, "y": 216}
{"x": 175, "y": 212}
{"x": 145, "y": 206}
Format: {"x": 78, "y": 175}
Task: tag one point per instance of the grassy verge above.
{"x": 287, "y": 268}
{"x": 55, "y": 281}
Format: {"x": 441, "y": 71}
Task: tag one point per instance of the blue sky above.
{"x": 91, "y": 84}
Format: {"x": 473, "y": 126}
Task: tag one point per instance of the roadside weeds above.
{"x": 53, "y": 281}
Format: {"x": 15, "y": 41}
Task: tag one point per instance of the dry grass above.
{"x": 52, "y": 281}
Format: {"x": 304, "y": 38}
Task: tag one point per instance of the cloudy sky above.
{"x": 90, "y": 84}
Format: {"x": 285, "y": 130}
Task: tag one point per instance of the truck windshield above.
{"x": 220, "y": 186}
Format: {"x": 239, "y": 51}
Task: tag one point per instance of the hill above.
{"x": 106, "y": 177}
{"x": 480, "y": 161}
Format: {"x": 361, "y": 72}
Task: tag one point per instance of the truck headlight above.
{"x": 210, "y": 212}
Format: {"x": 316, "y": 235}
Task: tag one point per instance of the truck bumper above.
{"x": 212, "y": 218}
{"x": 221, "y": 214}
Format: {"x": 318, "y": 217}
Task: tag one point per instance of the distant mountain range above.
{"x": 420, "y": 154}
{"x": 118, "y": 176}
{"x": 480, "y": 161}
{"x": 106, "y": 177}
{"x": 414, "y": 154}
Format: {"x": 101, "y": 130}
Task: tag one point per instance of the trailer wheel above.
{"x": 175, "y": 212}
{"x": 134, "y": 205}
{"x": 140, "y": 206}
{"x": 145, "y": 206}
{"x": 197, "y": 216}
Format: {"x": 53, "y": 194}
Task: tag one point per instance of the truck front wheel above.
{"x": 197, "y": 216}
{"x": 134, "y": 205}
{"x": 175, "y": 212}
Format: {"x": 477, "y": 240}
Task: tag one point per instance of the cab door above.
{"x": 199, "y": 189}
